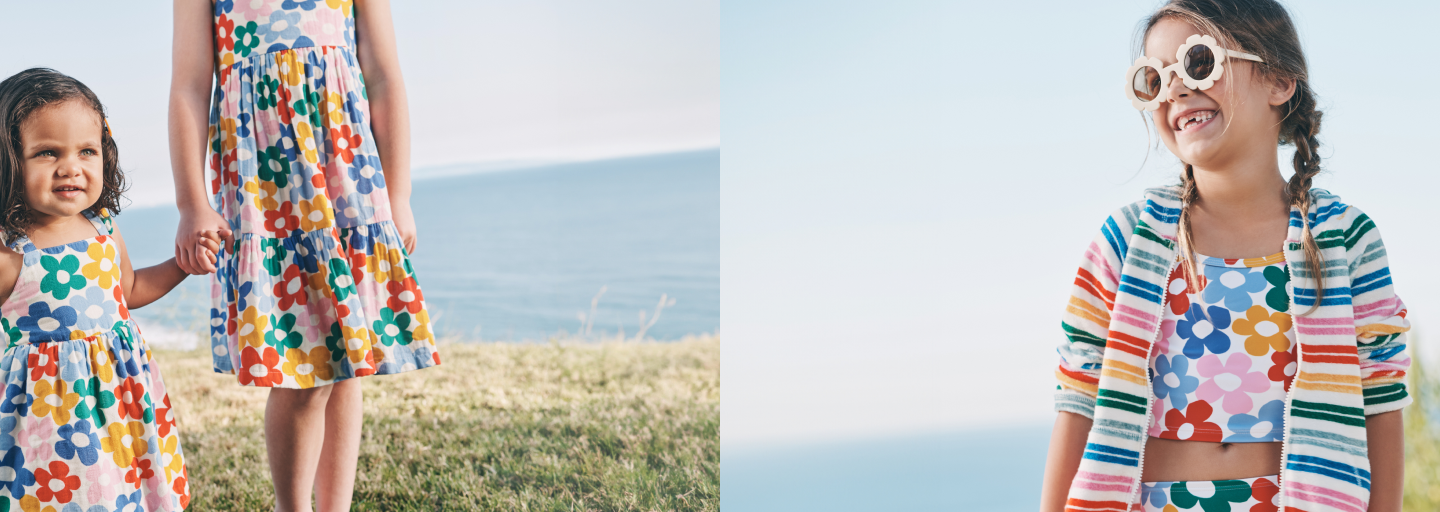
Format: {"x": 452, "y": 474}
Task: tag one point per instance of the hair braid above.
{"x": 1301, "y": 125}
{"x": 1189, "y": 194}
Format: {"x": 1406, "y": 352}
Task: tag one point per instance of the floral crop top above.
{"x": 1226, "y": 354}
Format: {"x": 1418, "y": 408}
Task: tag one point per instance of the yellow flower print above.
{"x": 308, "y": 367}
{"x": 253, "y": 326}
{"x": 335, "y": 106}
{"x": 291, "y": 71}
{"x": 102, "y": 267}
{"x": 306, "y": 141}
{"x": 1263, "y": 331}
{"x": 227, "y": 127}
{"x": 380, "y": 264}
{"x": 316, "y": 214}
{"x": 357, "y": 343}
{"x": 55, "y": 401}
{"x": 124, "y": 440}
{"x": 31, "y": 503}
{"x": 263, "y": 194}
{"x": 320, "y": 281}
{"x": 100, "y": 361}
{"x": 170, "y": 458}
{"x": 422, "y": 326}
{"x": 343, "y": 5}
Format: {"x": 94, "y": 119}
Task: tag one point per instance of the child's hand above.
{"x": 207, "y": 247}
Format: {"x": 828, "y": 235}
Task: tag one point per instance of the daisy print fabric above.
{"x": 1259, "y": 494}
{"x": 317, "y": 287}
{"x": 1226, "y": 354}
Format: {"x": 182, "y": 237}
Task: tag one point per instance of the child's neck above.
{"x": 1243, "y": 188}
{"x": 50, "y": 231}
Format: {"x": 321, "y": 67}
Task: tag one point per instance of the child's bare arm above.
{"x": 389, "y": 111}
{"x": 141, "y": 287}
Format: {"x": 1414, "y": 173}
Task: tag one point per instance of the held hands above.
{"x": 197, "y": 241}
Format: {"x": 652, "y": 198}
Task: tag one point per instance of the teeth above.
{"x": 1198, "y": 117}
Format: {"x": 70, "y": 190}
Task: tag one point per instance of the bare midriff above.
{"x": 1168, "y": 460}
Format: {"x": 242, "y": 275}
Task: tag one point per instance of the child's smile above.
{"x": 63, "y": 159}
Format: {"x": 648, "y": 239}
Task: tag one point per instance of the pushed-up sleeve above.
{"x": 1380, "y": 323}
{"x": 1086, "y": 321}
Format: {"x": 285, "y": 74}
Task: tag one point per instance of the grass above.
{"x": 1422, "y": 437}
{"x": 539, "y": 427}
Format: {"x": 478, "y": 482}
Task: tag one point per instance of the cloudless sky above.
{"x": 909, "y": 186}
{"x": 488, "y": 80}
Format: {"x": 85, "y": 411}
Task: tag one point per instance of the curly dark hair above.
{"x": 24, "y": 94}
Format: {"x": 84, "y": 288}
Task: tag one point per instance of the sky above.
{"x": 908, "y": 189}
{"x": 489, "y": 81}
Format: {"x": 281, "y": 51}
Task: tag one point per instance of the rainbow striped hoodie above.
{"x": 1352, "y": 357}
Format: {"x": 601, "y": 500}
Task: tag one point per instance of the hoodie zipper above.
{"x": 1150, "y": 385}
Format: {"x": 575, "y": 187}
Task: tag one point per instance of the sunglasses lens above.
{"x": 1199, "y": 61}
{"x": 1146, "y": 83}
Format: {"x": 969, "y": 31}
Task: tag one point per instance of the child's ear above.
{"x": 1281, "y": 90}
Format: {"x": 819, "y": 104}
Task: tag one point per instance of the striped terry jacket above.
{"x": 1352, "y": 357}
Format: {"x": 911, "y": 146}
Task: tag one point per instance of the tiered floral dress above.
{"x": 85, "y": 424}
{"x": 317, "y": 287}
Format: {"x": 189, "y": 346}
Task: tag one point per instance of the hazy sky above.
{"x": 909, "y": 187}
{"x": 488, "y": 80}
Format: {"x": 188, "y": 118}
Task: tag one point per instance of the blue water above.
{"x": 976, "y": 471}
{"x": 516, "y": 255}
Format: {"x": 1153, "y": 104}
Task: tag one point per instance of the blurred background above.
{"x": 907, "y": 192}
{"x": 564, "y": 151}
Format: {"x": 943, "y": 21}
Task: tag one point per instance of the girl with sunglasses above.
{"x": 1233, "y": 342}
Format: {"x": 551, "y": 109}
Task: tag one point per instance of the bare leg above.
{"x": 335, "y": 479}
{"x": 294, "y": 433}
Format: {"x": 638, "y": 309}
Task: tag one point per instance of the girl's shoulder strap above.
{"x": 104, "y": 223}
{"x": 20, "y": 244}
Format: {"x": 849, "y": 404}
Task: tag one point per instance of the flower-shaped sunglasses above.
{"x": 1199, "y": 63}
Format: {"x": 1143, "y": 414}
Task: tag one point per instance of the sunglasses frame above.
{"x": 1178, "y": 68}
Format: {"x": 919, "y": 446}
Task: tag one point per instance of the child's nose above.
{"x": 1177, "y": 87}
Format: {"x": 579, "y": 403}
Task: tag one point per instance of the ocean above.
{"x": 519, "y": 255}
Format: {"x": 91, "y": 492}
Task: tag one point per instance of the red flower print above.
{"x": 357, "y": 266}
{"x": 58, "y": 476}
{"x": 286, "y": 107}
{"x": 120, "y": 299}
{"x": 130, "y": 395}
{"x": 404, "y": 295}
{"x": 164, "y": 417}
{"x": 1264, "y": 491}
{"x": 1282, "y": 369}
{"x": 1194, "y": 416}
{"x": 140, "y": 469}
{"x": 42, "y": 361}
{"x": 280, "y": 221}
{"x": 224, "y": 27}
{"x": 345, "y": 142}
{"x": 260, "y": 369}
{"x": 181, "y": 488}
{"x": 435, "y": 356}
{"x": 291, "y": 288}
{"x": 230, "y": 325}
{"x": 1176, "y": 292}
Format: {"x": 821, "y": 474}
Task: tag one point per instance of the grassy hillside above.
{"x": 597, "y": 426}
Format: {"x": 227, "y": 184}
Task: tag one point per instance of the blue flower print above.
{"x": 286, "y": 143}
{"x": 1233, "y": 286}
{"x": 291, "y": 5}
{"x": 1156, "y": 494}
{"x": 16, "y": 400}
{"x": 93, "y": 309}
{"x": 1172, "y": 380}
{"x": 217, "y": 322}
{"x": 74, "y": 363}
{"x": 46, "y": 325}
{"x": 303, "y": 247}
{"x": 352, "y": 107}
{"x": 78, "y": 440}
{"x": 129, "y": 503}
{"x": 223, "y": 6}
{"x": 283, "y": 25}
{"x": 18, "y": 477}
{"x": 365, "y": 170}
{"x": 1271, "y": 416}
{"x": 242, "y": 126}
{"x": 1195, "y": 323}
{"x": 353, "y": 211}
{"x": 8, "y": 426}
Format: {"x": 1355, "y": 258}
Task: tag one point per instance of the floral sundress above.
{"x": 317, "y": 287}
{"x": 85, "y": 424}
